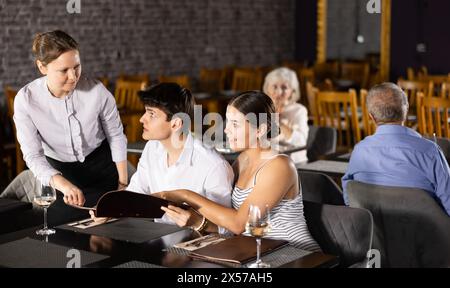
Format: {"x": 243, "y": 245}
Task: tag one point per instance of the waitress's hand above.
{"x": 182, "y": 217}
{"x": 98, "y": 219}
{"x": 72, "y": 194}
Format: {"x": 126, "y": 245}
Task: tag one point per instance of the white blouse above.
{"x": 295, "y": 116}
{"x": 66, "y": 129}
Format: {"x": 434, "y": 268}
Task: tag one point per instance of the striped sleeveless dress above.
{"x": 287, "y": 219}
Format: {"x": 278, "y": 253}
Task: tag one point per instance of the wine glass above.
{"x": 45, "y": 198}
{"x": 258, "y": 226}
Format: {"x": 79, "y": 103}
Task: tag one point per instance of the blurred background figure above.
{"x": 283, "y": 87}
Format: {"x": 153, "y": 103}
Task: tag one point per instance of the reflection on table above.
{"x": 155, "y": 252}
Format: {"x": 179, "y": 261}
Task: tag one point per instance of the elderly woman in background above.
{"x": 283, "y": 87}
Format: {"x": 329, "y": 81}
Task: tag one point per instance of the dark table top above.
{"x": 153, "y": 251}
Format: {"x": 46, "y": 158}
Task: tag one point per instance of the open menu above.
{"x": 122, "y": 203}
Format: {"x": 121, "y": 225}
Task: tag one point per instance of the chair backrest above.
{"x": 321, "y": 142}
{"x": 340, "y": 230}
{"x": 305, "y": 76}
{"x": 445, "y": 90}
{"x": 135, "y": 78}
{"x": 436, "y": 79}
{"x": 246, "y": 79}
{"x": 326, "y": 70}
{"x": 319, "y": 188}
{"x": 126, "y": 94}
{"x": 339, "y": 110}
{"x": 368, "y": 124}
{"x": 413, "y": 74}
{"x": 10, "y": 94}
{"x": 212, "y": 80}
{"x": 311, "y": 95}
{"x": 104, "y": 80}
{"x": 411, "y": 229}
{"x": 182, "y": 80}
{"x": 358, "y": 72}
{"x": 433, "y": 114}
{"x": 412, "y": 88}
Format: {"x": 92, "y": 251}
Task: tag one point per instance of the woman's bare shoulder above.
{"x": 280, "y": 165}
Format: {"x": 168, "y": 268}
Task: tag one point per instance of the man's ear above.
{"x": 176, "y": 124}
{"x": 42, "y": 68}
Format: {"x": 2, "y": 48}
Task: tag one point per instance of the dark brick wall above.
{"x": 153, "y": 36}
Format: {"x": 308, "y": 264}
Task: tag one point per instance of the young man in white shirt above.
{"x": 172, "y": 159}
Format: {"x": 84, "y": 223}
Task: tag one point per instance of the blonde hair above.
{"x": 284, "y": 74}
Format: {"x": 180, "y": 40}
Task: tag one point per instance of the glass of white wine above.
{"x": 45, "y": 198}
{"x": 258, "y": 226}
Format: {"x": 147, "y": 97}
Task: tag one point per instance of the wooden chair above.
{"x": 339, "y": 110}
{"x": 130, "y": 108}
{"x": 436, "y": 79}
{"x": 294, "y": 65}
{"x": 412, "y": 88}
{"x": 10, "y": 94}
{"x": 412, "y": 74}
{"x": 104, "y": 80}
{"x": 306, "y": 75}
{"x": 368, "y": 124}
{"x": 433, "y": 116}
{"x": 311, "y": 95}
{"x": 358, "y": 72}
{"x": 136, "y": 78}
{"x": 245, "y": 79}
{"x": 211, "y": 80}
{"x": 445, "y": 90}
{"x": 326, "y": 70}
{"x": 7, "y": 155}
{"x": 126, "y": 95}
{"x": 182, "y": 80}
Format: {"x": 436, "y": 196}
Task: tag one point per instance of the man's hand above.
{"x": 72, "y": 194}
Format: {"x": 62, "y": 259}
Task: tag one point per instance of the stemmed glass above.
{"x": 258, "y": 226}
{"x": 45, "y": 198}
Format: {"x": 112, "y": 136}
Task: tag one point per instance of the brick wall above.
{"x": 153, "y": 36}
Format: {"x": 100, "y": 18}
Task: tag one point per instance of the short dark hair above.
{"x": 49, "y": 46}
{"x": 387, "y": 103}
{"x": 257, "y": 102}
{"x": 171, "y": 98}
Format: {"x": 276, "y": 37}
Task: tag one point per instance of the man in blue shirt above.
{"x": 396, "y": 155}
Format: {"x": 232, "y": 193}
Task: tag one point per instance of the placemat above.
{"x": 138, "y": 264}
{"x": 135, "y": 230}
{"x": 31, "y": 253}
{"x": 275, "y": 259}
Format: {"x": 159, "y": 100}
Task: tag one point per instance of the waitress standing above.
{"x": 69, "y": 129}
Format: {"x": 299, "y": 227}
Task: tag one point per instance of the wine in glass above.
{"x": 45, "y": 198}
{"x": 257, "y": 226}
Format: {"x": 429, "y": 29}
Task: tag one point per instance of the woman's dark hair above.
{"x": 49, "y": 46}
{"x": 257, "y": 102}
{"x": 170, "y": 98}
